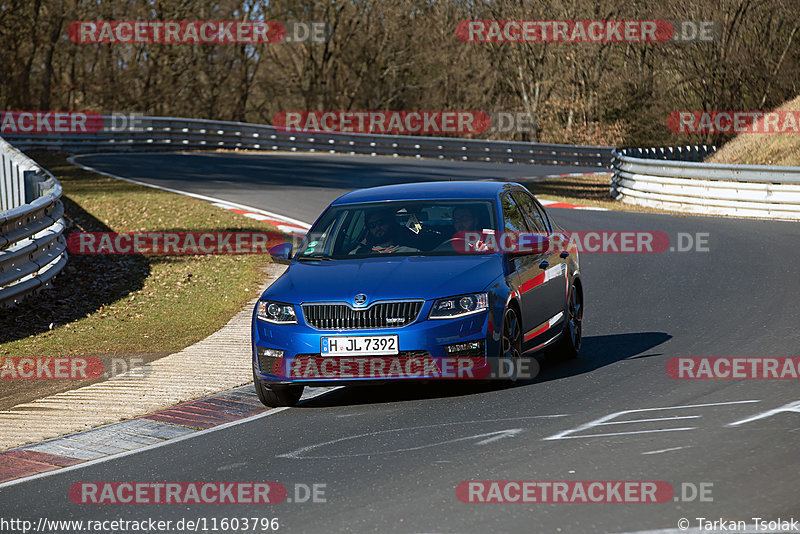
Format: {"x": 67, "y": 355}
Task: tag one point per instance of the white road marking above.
{"x": 665, "y": 450}
{"x": 651, "y": 420}
{"x": 605, "y": 421}
{"x": 791, "y": 407}
{"x": 607, "y": 434}
{"x": 510, "y": 433}
{"x": 198, "y": 433}
{"x": 495, "y": 436}
{"x": 300, "y": 453}
{"x": 74, "y": 161}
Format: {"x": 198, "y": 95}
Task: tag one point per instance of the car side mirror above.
{"x": 530, "y": 243}
{"x": 281, "y": 253}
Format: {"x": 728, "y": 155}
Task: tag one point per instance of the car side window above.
{"x": 543, "y": 215}
{"x": 351, "y": 232}
{"x": 513, "y": 220}
{"x": 529, "y": 208}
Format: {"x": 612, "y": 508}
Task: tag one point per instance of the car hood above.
{"x": 399, "y": 277}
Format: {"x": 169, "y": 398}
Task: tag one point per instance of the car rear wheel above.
{"x": 277, "y": 396}
{"x": 570, "y": 343}
{"x": 511, "y": 356}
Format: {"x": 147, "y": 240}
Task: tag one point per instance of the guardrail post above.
{"x": 36, "y": 185}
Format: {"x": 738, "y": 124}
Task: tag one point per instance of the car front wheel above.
{"x": 277, "y": 396}
{"x": 511, "y": 356}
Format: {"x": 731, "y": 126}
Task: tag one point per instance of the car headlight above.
{"x": 459, "y": 306}
{"x": 276, "y": 312}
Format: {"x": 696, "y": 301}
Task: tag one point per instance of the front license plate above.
{"x": 355, "y": 345}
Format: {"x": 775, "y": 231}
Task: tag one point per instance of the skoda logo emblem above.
{"x": 360, "y": 299}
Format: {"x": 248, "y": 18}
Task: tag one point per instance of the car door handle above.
{"x": 544, "y": 265}
{"x": 564, "y": 254}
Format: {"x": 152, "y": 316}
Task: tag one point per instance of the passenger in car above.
{"x": 465, "y": 220}
{"x": 384, "y": 235}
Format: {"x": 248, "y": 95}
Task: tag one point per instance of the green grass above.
{"x": 132, "y": 304}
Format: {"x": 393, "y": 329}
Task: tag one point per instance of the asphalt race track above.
{"x": 248, "y": 179}
{"x": 392, "y": 456}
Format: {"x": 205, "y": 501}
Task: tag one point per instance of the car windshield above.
{"x": 397, "y": 228}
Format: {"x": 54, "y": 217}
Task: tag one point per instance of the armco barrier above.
{"x": 32, "y": 247}
{"x": 32, "y": 244}
{"x": 168, "y": 133}
{"x": 674, "y": 178}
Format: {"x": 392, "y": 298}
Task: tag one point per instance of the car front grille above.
{"x": 379, "y": 315}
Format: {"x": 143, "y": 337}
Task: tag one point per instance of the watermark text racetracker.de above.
{"x": 586, "y": 31}
{"x": 593, "y": 242}
{"x": 734, "y": 122}
{"x": 429, "y": 122}
{"x": 197, "y": 32}
{"x": 581, "y": 491}
{"x": 727, "y": 368}
{"x": 308, "y": 367}
{"x": 185, "y": 493}
{"x": 169, "y": 243}
{"x": 69, "y": 122}
{"x": 71, "y": 368}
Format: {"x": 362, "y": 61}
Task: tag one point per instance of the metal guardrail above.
{"x": 32, "y": 243}
{"x": 32, "y": 246}
{"x": 168, "y": 133}
{"x": 675, "y": 179}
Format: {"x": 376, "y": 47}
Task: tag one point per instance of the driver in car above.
{"x": 384, "y": 236}
{"x": 465, "y": 220}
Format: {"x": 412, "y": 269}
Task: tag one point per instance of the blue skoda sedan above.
{"x": 422, "y": 281}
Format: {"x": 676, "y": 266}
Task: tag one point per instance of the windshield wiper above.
{"x": 314, "y": 258}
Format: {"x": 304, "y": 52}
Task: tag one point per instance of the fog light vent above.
{"x": 268, "y": 360}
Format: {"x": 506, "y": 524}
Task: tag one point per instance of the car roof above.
{"x": 471, "y": 190}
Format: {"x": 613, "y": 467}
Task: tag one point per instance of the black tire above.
{"x": 511, "y": 348}
{"x": 569, "y": 345}
{"x": 277, "y": 396}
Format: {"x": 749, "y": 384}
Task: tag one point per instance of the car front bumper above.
{"x": 422, "y": 354}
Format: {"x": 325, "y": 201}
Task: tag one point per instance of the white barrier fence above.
{"x": 663, "y": 178}
{"x": 32, "y": 243}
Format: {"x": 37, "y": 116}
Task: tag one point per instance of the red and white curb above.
{"x": 284, "y": 224}
{"x": 568, "y": 206}
{"x": 180, "y": 422}
{"x": 565, "y": 205}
